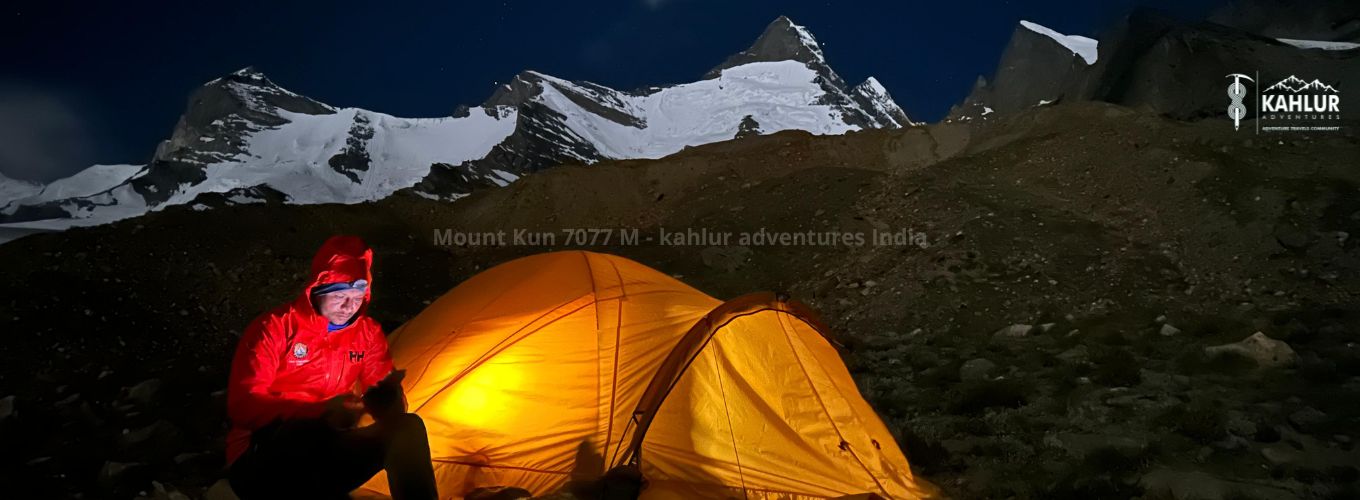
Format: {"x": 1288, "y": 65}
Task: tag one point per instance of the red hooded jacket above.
{"x": 287, "y": 364}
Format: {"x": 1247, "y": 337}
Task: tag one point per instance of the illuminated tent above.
{"x": 579, "y": 361}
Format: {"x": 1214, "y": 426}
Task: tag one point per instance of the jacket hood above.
{"x": 341, "y": 258}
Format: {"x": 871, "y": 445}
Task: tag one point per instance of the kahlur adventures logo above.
{"x": 1291, "y": 104}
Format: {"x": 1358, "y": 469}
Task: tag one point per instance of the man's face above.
{"x": 339, "y": 307}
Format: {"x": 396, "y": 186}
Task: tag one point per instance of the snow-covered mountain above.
{"x": 12, "y": 189}
{"x": 83, "y": 184}
{"x": 781, "y": 82}
{"x": 245, "y": 139}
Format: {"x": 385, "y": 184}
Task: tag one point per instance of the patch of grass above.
{"x": 1065, "y": 379}
{"x": 1344, "y": 474}
{"x": 1230, "y": 363}
{"x": 1307, "y": 475}
{"x": 907, "y": 400}
{"x": 1116, "y": 369}
{"x": 1347, "y": 492}
{"x": 1349, "y": 365}
{"x": 1195, "y": 361}
{"x": 940, "y": 376}
{"x": 1236, "y": 494}
{"x": 926, "y": 455}
{"x": 1266, "y": 434}
{"x": 1113, "y": 459}
{"x": 1321, "y": 371}
{"x": 922, "y": 359}
{"x": 975, "y": 396}
{"x": 972, "y": 427}
{"x": 1202, "y": 422}
{"x": 1111, "y": 337}
{"x": 1085, "y": 487}
{"x": 1103, "y": 473}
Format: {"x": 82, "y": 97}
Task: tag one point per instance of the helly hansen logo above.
{"x": 356, "y": 356}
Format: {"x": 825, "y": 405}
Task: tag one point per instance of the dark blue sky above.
{"x": 102, "y": 82}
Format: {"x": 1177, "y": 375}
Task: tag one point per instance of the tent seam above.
{"x": 595, "y": 295}
{"x": 731, "y": 432}
{"x": 635, "y": 448}
{"x": 614, "y": 375}
{"x": 803, "y": 367}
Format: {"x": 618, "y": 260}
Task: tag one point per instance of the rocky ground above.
{"x": 1054, "y": 338}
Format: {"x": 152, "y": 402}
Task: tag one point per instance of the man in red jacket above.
{"x": 293, "y": 395}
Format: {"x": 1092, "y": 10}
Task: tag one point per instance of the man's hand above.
{"x": 386, "y": 398}
{"x": 342, "y": 411}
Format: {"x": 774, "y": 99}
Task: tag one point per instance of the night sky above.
{"x": 103, "y": 82}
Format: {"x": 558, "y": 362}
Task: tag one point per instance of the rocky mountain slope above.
{"x": 1152, "y": 62}
{"x": 1323, "y": 20}
{"x": 1057, "y": 336}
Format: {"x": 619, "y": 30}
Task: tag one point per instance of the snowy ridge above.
{"x": 877, "y": 96}
{"x": 778, "y": 95}
{"x": 13, "y": 189}
{"x": 88, "y": 182}
{"x": 1079, "y": 45}
{"x": 293, "y": 158}
{"x": 809, "y": 41}
{"x": 1320, "y": 44}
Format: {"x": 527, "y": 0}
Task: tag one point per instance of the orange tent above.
{"x": 579, "y": 361}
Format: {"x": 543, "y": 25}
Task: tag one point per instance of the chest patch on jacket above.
{"x": 299, "y": 350}
{"x": 356, "y": 356}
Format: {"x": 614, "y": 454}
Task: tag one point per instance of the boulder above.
{"x": 6, "y": 407}
{"x": 119, "y": 479}
{"x": 1198, "y": 485}
{"x": 1265, "y": 351}
{"x": 221, "y": 490}
{"x": 1280, "y": 454}
{"x": 1017, "y": 330}
{"x": 1307, "y": 419}
{"x": 145, "y": 393}
{"x": 1079, "y": 445}
{"x": 1075, "y": 355}
{"x": 976, "y": 369}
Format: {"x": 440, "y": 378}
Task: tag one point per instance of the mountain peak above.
{"x": 249, "y": 76}
{"x": 783, "y": 32}
{"x": 518, "y": 90}
{"x": 248, "y": 71}
{"x": 1081, "y": 46}
{"x": 872, "y": 85}
{"x": 872, "y": 96}
{"x": 250, "y": 87}
{"x": 782, "y": 40}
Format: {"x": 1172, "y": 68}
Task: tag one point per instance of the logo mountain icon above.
{"x": 1295, "y": 85}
